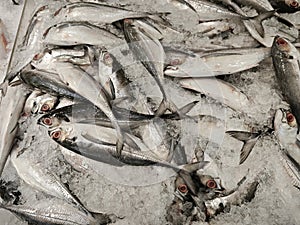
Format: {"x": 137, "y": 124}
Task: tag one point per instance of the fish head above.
{"x": 61, "y": 133}
{"x": 285, "y": 127}
{"x": 181, "y": 188}
{"x": 294, "y": 4}
{"x": 44, "y": 104}
{"x": 50, "y": 121}
{"x": 285, "y": 48}
{"x": 106, "y": 58}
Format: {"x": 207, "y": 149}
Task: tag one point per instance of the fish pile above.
{"x": 116, "y": 86}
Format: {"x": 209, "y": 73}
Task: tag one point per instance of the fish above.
{"x": 33, "y": 31}
{"x": 98, "y": 143}
{"x": 54, "y": 211}
{"x": 249, "y": 139}
{"x": 37, "y": 176}
{"x": 88, "y": 113}
{"x": 92, "y": 91}
{"x": 95, "y": 13}
{"x": 46, "y": 60}
{"x": 285, "y": 127}
{"x": 148, "y": 50}
{"x": 243, "y": 193}
{"x": 215, "y": 63}
{"x": 48, "y": 82}
{"x": 286, "y": 59}
{"x": 10, "y": 110}
{"x": 219, "y": 90}
{"x": 260, "y": 5}
{"x": 106, "y": 73}
{"x": 38, "y": 102}
{"x": 75, "y": 33}
{"x": 208, "y": 11}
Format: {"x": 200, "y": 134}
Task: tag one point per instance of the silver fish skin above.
{"x": 95, "y": 13}
{"x": 46, "y": 60}
{"x": 208, "y": 11}
{"x": 34, "y": 28}
{"x": 92, "y": 91}
{"x": 286, "y": 61}
{"x": 98, "y": 143}
{"x": 220, "y": 62}
{"x": 48, "y": 82}
{"x": 52, "y": 211}
{"x": 219, "y": 90}
{"x": 148, "y": 50}
{"x": 285, "y": 127}
{"x": 10, "y": 110}
{"x": 40, "y": 178}
{"x": 259, "y": 5}
{"x": 76, "y": 33}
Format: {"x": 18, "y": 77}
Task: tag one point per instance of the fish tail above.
{"x": 249, "y": 139}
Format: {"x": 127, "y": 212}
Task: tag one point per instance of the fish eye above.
{"x": 281, "y": 41}
{"x": 45, "y": 108}
{"x": 56, "y": 135}
{"x": 211, "y": 184}
{"x": 294, "y": 4}
{"x": 47, "y": 121}
{"x": 182, "y": 188}
{"x": 291, "y": 119}
{"x": 175, "y": 62}
{"x": 107, "y": 58}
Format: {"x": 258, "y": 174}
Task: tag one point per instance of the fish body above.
{"x": 286, "y": 61}
{"x": 10, "y": 110}
{"x": 220, "y": 62}
{"x": 52, "y": 211}
{"x": 48, "y": 82}
{"x": 95, "y": 13}
{"x": 208, "y": 11}
{"x": 219, "y": 90}
{"x": 39, "y": 177}
{"x": 259, "y": 5}
{"x": 76, "y": 33}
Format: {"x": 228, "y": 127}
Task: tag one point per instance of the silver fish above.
{"x": 10, "y": 110}
{"x": 92, "y": 91}
{"x": 286, "y": 61}
{"x": 259, "y": 5}
{"x": 219, "y": 90}
{"x": 48, "y": 82}
{"x": 38, "y": 102}
{"x": 98, "y": 143}
{"x": 52, "y": 211}
{"x": 39, "y": 177}
{"x": 76, "y": 33}
{"x": 218, "y": 62}
{"x": 149, "y": 51}
{"x": 46, "y": 60}
{"x": 95, "y": 13}
{"x": 208, "y": 11}
{"x": 286, "y": 133}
